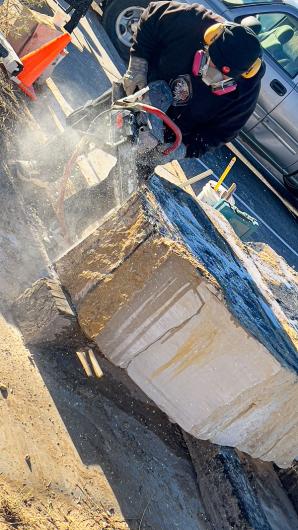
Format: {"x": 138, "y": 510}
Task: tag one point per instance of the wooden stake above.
{"x": 198, "y": 177}
{"x": 84, "y": 362}
{"x": 97, "y": 370}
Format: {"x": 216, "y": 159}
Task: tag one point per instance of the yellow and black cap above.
{"x": 234, "y": 49}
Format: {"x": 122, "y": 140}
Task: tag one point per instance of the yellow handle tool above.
{"x": 224, "y": 174}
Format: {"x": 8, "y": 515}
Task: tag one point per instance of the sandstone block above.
{"x": 45, "y": 317}
{"x": 170, "y": 294}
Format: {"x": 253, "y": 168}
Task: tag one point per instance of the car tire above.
{"x": 117, "y": 20}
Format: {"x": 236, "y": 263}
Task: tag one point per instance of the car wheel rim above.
{"x": 126, "y": 24}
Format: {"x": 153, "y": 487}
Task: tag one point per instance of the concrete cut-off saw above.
{"x": 132, "y": 129}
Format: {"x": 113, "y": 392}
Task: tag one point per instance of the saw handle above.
{"x": 168, "y": 122}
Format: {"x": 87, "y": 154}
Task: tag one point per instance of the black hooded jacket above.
{"x": 168, "y": 36}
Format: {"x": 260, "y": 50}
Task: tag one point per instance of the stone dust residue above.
{"x": 48, "y": 510}
{"x": 122, "y": 285}
{"x": 104, "y": 250}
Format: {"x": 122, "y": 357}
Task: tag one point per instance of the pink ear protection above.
{"x": 219, "y": 89}
{"x": 200, "y": 60}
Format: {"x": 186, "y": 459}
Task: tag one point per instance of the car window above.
{"x": 279, "y": 38}
{"x": 237, "y": 3}
{"x": 269, "y": 20}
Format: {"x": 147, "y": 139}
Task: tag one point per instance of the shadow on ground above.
{"x": 115, "y": 427}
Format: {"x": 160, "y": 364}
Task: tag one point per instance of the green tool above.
{"x": 243, "y": 224}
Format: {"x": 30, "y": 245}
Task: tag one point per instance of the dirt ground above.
{"x": 35, "y": 446}
{"x": 100, "y": 443}
{"x": 22, "y": 508}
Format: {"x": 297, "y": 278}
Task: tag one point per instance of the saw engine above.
{"x": 114, "y": 119}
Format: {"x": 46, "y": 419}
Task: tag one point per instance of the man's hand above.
{"x": 136, "y": 75}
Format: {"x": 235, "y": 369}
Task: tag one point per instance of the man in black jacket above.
{"x": 214, "y": 69}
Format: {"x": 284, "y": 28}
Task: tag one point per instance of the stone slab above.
{"x": 45, "y": 317}
{"x": 171, "y": 295}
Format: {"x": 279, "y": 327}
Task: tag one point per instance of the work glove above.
{"x": 136, "y": 75}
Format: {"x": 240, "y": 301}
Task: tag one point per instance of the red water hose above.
{"x": 167, "y": 121}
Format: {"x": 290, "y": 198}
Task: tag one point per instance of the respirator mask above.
{"x": 218, "y": 81}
